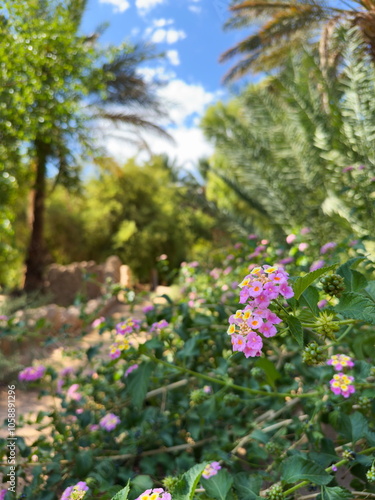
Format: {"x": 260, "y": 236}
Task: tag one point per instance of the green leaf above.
{"x": 122, "y": 494}
{"x": 138, "y": 383}
{"x": 359, "y": 426}
{"x": 334, "y": 493}
{"x": 310, "y": 299}
{"x": 341, "y": 423}
{"x": 269, "y": 369}
{"x": 139, "y": 484}
{"x": 295, "y": 328}
{"x": 298, "y": 468}
{"x": 247, "y": 487}
{"x": 356, "y": 306}
{"x": 358, "y": 281}
{"x": 370, "y": 289}
{"x": 303, "y": 282}
{"x": 219, "y": 485}
{"x": 83, "y": 463}
{"x": 345, "y": 270}
{"x": 185, "y": 488}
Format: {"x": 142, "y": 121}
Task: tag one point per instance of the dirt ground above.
{"x": 29, "y": 403}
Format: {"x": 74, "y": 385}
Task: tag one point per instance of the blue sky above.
{"x": 190, "y": 33}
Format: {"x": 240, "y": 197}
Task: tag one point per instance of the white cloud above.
{"x": 160, "y": 32}
{"x": 169, "y": 35}
{"x": 144, "y": 6}
{"x": 173, "y": 57}
{"x": 186, "y": 104}
{"x": 184, "y": 100}
{"x": 119, "y": 5}
{"x": 159, "y": 73}
{"x": 195, "y": 8}
{"x": 189, "y": 146}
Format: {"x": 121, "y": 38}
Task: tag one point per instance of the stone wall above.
{"x": 88, "y": 279}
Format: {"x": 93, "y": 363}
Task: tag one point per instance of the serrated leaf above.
{"x": 356, "y": 306}
{"x": 359, "y": 426}
{"x": 269, "y": 369}
{"x": 345, "y": 270}
{"x": 122, "y": 494}
{"x": 341, "y": 423}
{"x": 334, "y": 493}
{"x": 295, "y": 328}
{"x": 298, "y": 468}
{"x": 185, "y": 488}
{"x": 138, "y": 383}
{"x": 247, "y": 487}
{"x": 303, "y": 282}
{"x": 139, "y": 484}
{"x": 370, "y": 289}
{"x": 310, "y": 299}
{"x": 359, "y": 282}
{"x": 219, "y": 485}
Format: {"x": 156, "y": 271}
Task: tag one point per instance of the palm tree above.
{"x": 287, "y": 25}
{"x": 109, "y": 87}
{"x": 284, "y": 151}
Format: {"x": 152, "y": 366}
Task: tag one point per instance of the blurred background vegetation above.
{"x": 296, "y": 149}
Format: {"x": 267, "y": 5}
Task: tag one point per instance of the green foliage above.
{"x": 281, "y": 147}
{"x": 298, "y": 468}
{"x": 129, "y": 211}
{"x": 219, "y": 485}
{"x": 264, "y": 419}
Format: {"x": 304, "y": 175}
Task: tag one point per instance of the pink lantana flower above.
{"x": 317, "y": 265}
{"x": 130, "y": 369}
{"x": 75, "y": 492}
{"x": 98, "y": 323}
{"x": 342, "y": 384}
{"x": 211, "y": 470}
{"x": 268, "y": 329}
{"x": 154, "y": 494}
{"x": 109, "y": 422}
{"x": 328, "y": 246}
{"x": 72, "y": 393}
{"x": 238, "y": 342}
{"x": 340, "y": 361}
{"x": 32, "y": 373}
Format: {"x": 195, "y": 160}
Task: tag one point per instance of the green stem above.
{"x": 228, "y": 384}
{"x": 341, "y": 336}
{"x": 328, "y": 469}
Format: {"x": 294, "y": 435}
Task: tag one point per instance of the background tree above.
{"x": 136, "y": 211}
{"x": 293, "y": 156}
{"x": 282, "y": 26}
{"x": 68, "y": 82}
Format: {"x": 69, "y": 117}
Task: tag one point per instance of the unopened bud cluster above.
{"x": 326, "y": 325}
{"x": 370, "y": 474}
{"x": 333, "y": 285}
{"x": 314, "y": 354}
{"x": 275, "y": 492}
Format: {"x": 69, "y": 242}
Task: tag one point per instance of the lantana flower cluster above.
{"x": 258, "y": 289}
{"x": 340, "y": 361}
{"x": 155, "y": 494}
{"x": 131, "y": 325}
{"x": 32, "y": 373}
{"x": 211, "y": 470}
{"x": 109, "y": 422}
{"x": 123, "y": 328}
{"x": 341, "y": 384}
{"x": 159, "y": 325}
{"x": 75, "y": 492}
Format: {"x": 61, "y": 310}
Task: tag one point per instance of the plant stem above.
{"x": 328, "y": 469}
{"x": 229, "y": 384}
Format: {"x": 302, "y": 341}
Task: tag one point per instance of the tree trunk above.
{"x": 35, "y": 259}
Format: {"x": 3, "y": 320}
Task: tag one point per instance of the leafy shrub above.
{"x": 170, "y": 398}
